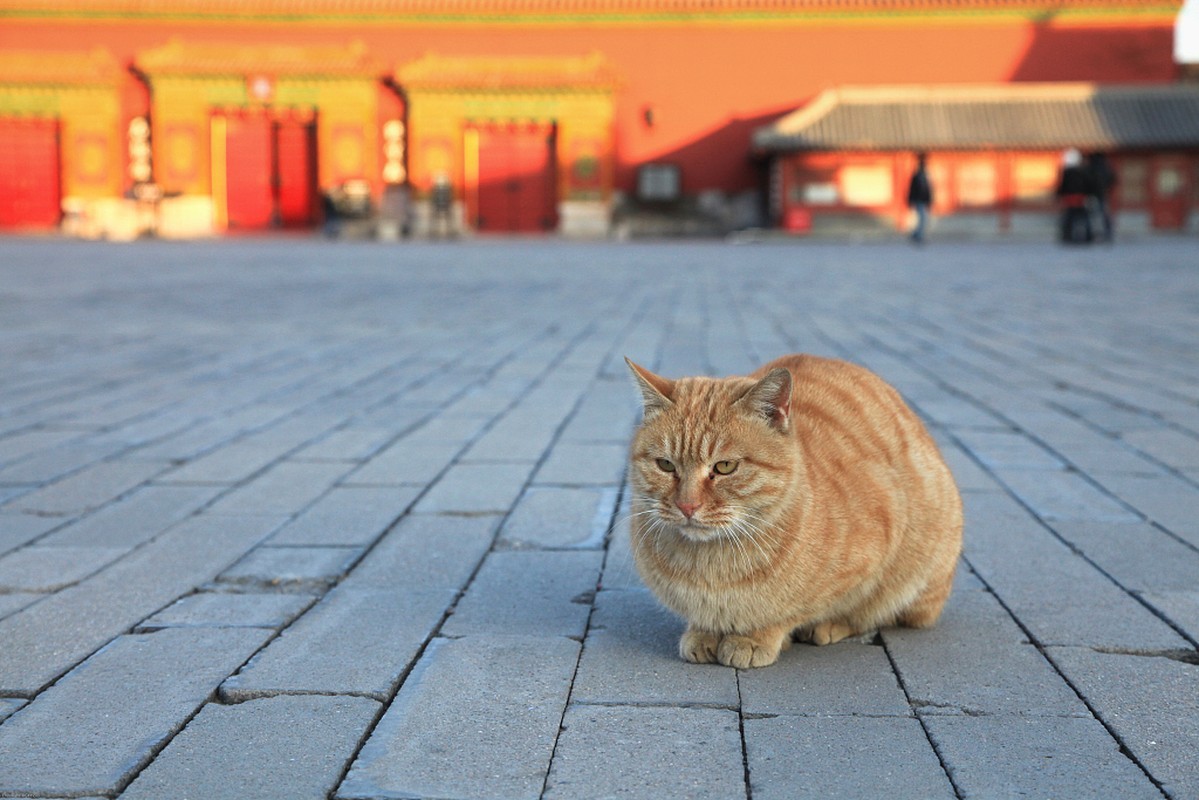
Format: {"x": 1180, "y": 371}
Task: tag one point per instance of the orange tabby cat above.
{"x": 806, "y": 499}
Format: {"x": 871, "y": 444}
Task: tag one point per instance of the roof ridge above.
{"x": 952, "y": 116}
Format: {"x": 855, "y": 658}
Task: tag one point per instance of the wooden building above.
{"x": 188, "y": 117}
{"x": 994, "y": 154}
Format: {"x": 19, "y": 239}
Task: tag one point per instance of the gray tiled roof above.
{"x": 1009, "y": 116}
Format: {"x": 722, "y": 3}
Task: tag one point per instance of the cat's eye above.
{"x": 725, "y": 467}
{"x": 665, "y": 465}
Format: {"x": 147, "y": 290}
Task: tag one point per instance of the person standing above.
{"x": 1103, "y": 180}
{"x": 920, "y": 197}
{"x": 1074, "y": 188}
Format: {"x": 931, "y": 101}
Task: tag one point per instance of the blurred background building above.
{"x": 585, "y": 117}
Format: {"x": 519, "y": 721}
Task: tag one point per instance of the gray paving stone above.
{"x": 87, "y": 489}
{"x": 10, "y": 492}
{"x": 1008, "y": 450}
{"x": 283, "y": 489}
{"x": 1058, "y": 596}
{"x": 631, "y": 656}
{"x": 9, "y": 706}
{"x": 820, "y": 757}
{"x": 49, "y": 465}
{"x": 10, "y": 603}
{"x": 1172, "y": 447}
{"x": 65, "y": 628}
{"x": 128, "y": 523}
{"x": 228, "y": 465}
{"x": 1152, "y": 705}
{"x": 560, "y": 517}
{"x": 620, "y": 571}
{"x": 529, "y": 593}
{"x": 584, "y": 464}
{"x": 405, "y": 462}
{"x": 1169, "y": 501}
{"x": 353, "y": 443}
{"x": 224, "y": 610}
{"x": 630, "y": 752}
{"x": 17, "y": 530}
{"x": 966, "y": 472}
{"x": 1064, "y": 495}
{"x": 476, "y": 489}
{"x": 18, "y": 446}
{"x": 516, "y": 437}
{"x": 955, "y": 412}
{"x": 355, "y": 641}
{"x": 847, "y": 679}
{"x": 498, "y": 699}
{"x": 47, "y": 569}
{"x": 1105, "y": 459}
{"x": 976, "y": 661}
{"x": 1012, "y": 756}
{"x": 426, "y": 552}
{"x": 298, "y": 748}
{"x": 291, "y": 567}
{"x": 606, "y": 412}
{"x": 1138, "y": 555}
{"x": 348, "y": 515}
{"x": 206, "y": 437}
{"x": 395, "y": 414}
{"x": 445, "y": 428}
{"x": 1180, "y": 608}
{"x": 383, "y": 613}
{"x": 94, "y": 729}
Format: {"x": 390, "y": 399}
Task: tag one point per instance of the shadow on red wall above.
{"x": 1098, "y": 54}
{"x": 718, "y": 159}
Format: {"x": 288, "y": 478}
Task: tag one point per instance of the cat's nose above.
{"x": 688, "y": 509}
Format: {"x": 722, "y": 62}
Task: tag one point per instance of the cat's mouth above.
{"x": 695, "y": 530}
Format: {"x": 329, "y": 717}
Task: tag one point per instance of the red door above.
{"x": 1169, "y": 191}
{"x": 249, "y": 167}
{"x": 30, "y": 192}
{"x": 295, "y": 162}
{"x": 516, "y": 191}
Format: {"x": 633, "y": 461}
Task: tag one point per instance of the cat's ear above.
{"x": 770, "y": 399}
{"x": 655, "y": 390}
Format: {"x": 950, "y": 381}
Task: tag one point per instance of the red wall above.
{"x": 708, "y": 85}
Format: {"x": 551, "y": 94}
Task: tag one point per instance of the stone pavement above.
{"x": 294, "y": 519}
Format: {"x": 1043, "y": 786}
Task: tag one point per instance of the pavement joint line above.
{"x": 1111, "y": 731}
{"x": 435, "y": 633}
{"x": 1137, "y": 596}
{"x": 582, "y": 639}
{"x": 1167, "y": 468}
{"x": 217, "y": 498}
{"x": 1047, "y": 526}
{"x": 745, "y": 771}
{"x": 915, "y": 710}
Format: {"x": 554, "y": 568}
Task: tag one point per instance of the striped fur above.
{"x": 839, "y": 516}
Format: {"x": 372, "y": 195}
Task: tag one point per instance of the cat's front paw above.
{"x": 698, "y": 647}
{"x": 827, "y": 633}
{"x": 744, "y": 652}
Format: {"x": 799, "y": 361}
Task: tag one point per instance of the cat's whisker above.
{"x": 739, "y": 551}
{"x": 742, "y": 532}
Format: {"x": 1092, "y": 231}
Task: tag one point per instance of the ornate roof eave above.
{"x": 523, "y": 12}
{"x": 489, "y": 74}
{"x": 96, "y": 67}
{"x": 190, "y": 58}
{"x": 990, "y": 116}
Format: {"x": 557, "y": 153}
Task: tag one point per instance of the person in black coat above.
{"x": 1074, "y": 189}
{"x": 920, "y": 197}
{"x": 1103, "y": 180}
